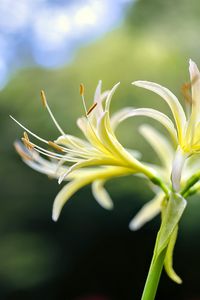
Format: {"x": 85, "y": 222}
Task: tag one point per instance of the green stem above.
{"x": 153, "y": 277}
{"x": 157, "y": 181}
{"x": 194, "y": 179}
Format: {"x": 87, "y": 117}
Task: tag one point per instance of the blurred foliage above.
{"x": 90, "y": 251}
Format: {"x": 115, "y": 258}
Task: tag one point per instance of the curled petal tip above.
{"x": 55, "y": 212}
{"x": 193, "y": 68}
{"x": 60, "y": 179}
{"x": 55, "y": 216}
{"x": 191, "y": 61}
{"x": 135, "y": 82}
{"x": 133, "y": 226}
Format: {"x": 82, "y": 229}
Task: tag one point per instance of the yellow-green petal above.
{"x": 156, "y": 115}
{"x": 160, "y": 144}
{"x": 101, "y": 195}
{"x": 172, "y": 101}
{"x": 147, "y": 212}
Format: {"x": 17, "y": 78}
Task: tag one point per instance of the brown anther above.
{"x": 55, "y": 146}
{"x": 43, "y": 98}
{"x": 91, "y": 108}
{"x": 21, "y": 152}
{"x": 26, "y": 136}
{"x": 82, "y": 89}
{"x": 27, "y": 142}
{"x": 185, "y": 89}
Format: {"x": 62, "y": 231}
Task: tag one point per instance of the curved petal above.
{"x": 98, "y": 98}
{"x": 101, "y": 195}
{"x": 177, "y": 167}
{"x": 73, "y": 141}
{"x": 109, "y": 97}
{"x": 108, "y": 138}
{"x": 171, "y": 100}
{"x": 87, "y": 163}
{"x": 90, "y": 134}
{"x": 195, "y": 86}
{"x": 154, "y": 114}
{"x": 69, "y": 189}
{"x": 147, "y": 212}
{"x": 160, "y": 144}
{"x": 192, "y": 132}
{"x": 118, "y": 116}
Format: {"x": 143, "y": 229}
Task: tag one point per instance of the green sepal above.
{"x": 168, "y": 263}
{"x": 172, "y": 211}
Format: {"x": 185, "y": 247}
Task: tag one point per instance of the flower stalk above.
{"x": 187, "y": 189}
{"x": 153, "y": 277}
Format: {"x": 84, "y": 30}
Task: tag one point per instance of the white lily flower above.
{"x": 187, "y": 132}
{"x": 165, "y": 152}
{"x": 94, "y": 160}
{"x": 100, "y": 157}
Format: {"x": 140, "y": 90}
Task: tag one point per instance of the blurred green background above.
{"x": 90, "y": 252}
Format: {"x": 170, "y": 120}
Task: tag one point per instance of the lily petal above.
{"x": 177, "y": 168}
{"x": 90, "y": 134}
{"x": 101, "y": 195}
{"x": 195, "y": 86}
{"x": 84, "y": 179}
{"x": 109, "y": 97}
{"x": 172, "y": 101}
{"x": 147, "y": 212}
{"x": 86, "y": 163}
{"x": 154, "y": 114}
{"x": 160, "y": 145}
{"x": 118, "y": 116}
{"x": 67, "y": 191}
{"x": 107, "y": 135}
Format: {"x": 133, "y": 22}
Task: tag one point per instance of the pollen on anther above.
{"x": 26, "y": 136}
{"x": 185, "y": 89}
{"x": 91, "y": 108}
{"x": 55, "y": 146}
{"x": 43, "y": 98}
{"x": 27, "y": 142}
{"x": 82, "y": 89}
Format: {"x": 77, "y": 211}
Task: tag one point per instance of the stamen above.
{"x": 55, "y": 146}
{"x": 91, "y": 108}
{"x": 185, "y": 89}
{"x": 82, "y": 89}
{"x": 88, "y": 111}
{"x": 21, "y": 152}
{"x": 43, "y": 98}
{"x": 33, "y": 134}
{"x": 55, "y": 156}
{"x": 27, "y": 143}
{"x": 45, "y": 104}
{"x": 50, "y": 153}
